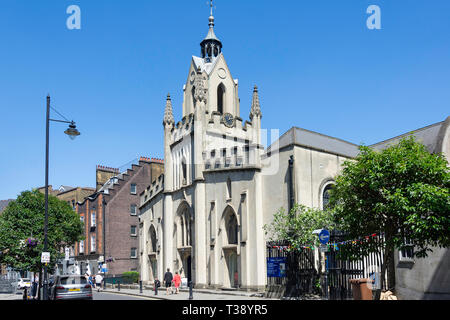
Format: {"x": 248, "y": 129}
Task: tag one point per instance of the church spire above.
{"x": 256, "y": 107}
{"x": 168, "y": 113}
{"x": 211, "y": 45}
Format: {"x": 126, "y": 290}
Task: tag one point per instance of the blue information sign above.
{"x": 276, "y": 267}
{"x": 324, "y": 236}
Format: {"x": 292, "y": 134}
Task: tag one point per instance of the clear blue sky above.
{"x": 316, "y": 63}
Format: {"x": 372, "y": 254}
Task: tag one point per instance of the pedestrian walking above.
{"x": 98, "y": 281}
{"x": 168, "y": 277}
{"x": 177, "y": 282}
{"x": 91, "y": 282}
{"x": 157, "y": 284}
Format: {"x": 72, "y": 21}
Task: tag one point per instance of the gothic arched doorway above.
{"x": 184, "y": 237}
{"x": 230, "y": 241}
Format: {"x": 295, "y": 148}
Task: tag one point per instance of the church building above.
{"x": 204, "y": 216}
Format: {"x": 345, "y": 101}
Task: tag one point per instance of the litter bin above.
{"x": 361, "y": 289}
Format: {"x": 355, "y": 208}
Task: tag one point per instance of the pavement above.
{"x": 197, "y": 294}
{"x": 11, "y": 296}
{"x": 183, "y": 295}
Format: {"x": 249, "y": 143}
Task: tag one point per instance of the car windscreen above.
{"x": 73, "y": 280}
{"x": 26, "y": 280}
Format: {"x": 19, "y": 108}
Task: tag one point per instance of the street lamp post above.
{"x": 72, "y": 132}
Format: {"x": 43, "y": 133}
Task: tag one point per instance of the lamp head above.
{"x": 72, "y": 132}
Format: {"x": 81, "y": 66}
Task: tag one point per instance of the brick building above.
{"x": 71, "y": 195}
{"x": 110, "y": 217}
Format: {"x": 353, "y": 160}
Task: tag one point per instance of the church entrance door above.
{"x": 154, "y": 268}
{"x": 233, "y": 270}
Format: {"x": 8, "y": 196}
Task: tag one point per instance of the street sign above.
{"x": 67, "y": 254}
{"x": 323, "y": 248}
{"x": 276, "y": 267}
{"x": 324, "y": 236}
{"x": 45, "y": 257}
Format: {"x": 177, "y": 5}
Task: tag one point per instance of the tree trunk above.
{"x": 389, "y": 267}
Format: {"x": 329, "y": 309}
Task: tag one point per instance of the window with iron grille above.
{"x": 406, "y": 253}
{"x": 326, "y": 196}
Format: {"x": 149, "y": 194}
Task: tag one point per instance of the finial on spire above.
{"x": 211, "y": 16}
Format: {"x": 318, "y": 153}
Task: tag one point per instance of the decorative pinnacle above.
{"x": 256, "y": 107}
{"x": 168, "y": 113}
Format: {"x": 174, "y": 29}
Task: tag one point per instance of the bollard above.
{"x": 25, "y": 294}
{"x": 190, "y": 291}
{"x": 118, "y": 285}
{"x": 140, "y": 286}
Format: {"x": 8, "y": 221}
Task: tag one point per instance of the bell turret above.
{"x": 211, "y": 46}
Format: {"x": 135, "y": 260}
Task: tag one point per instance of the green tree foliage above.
{"x": 297, "y": 226}
{"x": 401, "y": 191}
{"x": 130, "y": 277}
{"x": 24, "y": 218}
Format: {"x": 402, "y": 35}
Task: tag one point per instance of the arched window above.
{"x": 228, "y": 188}
{"x": 220, "y": 97}
{"x": 184, "y": 171}
{"x": 153, "y": 239}
{"x": 209, "y": 51}
{"x": 184, "y": 226}
{"x": 182, "y": 232}
{"x": 326, "y": 196}
{"x": 232, "y": 229}
{"x": 193, "y": 97}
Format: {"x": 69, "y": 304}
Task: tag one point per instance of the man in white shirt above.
{"x": 98, "y": 281}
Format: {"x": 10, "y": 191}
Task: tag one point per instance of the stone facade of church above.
{"x": 204, "y": 217}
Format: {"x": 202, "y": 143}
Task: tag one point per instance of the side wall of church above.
{"x": 313, "y": 170}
